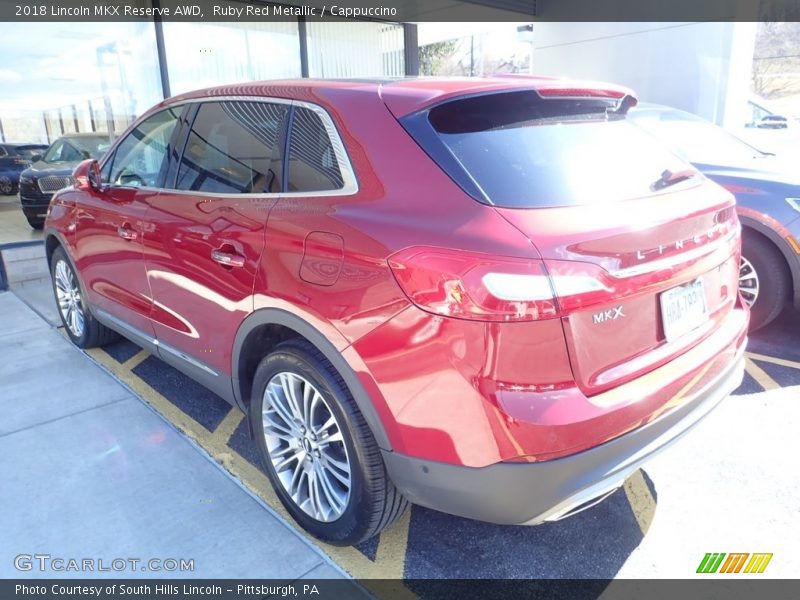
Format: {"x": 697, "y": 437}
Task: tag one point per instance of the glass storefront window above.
{"x": 355, "y": 49}
{"x": 60, "y": 78}
{"x": 206, "y": 54}
{"x": 65, "y": 77}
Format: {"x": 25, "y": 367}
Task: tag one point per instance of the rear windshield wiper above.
{"x": 669, "y": 178}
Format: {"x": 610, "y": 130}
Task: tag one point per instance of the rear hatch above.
{"x": 641, "y": 250}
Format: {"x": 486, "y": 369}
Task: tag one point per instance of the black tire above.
{"x": 37, "y": 224}
{"x": 93, "y": 333}
{"x": 773, "y": 279}
{"x": 373, "y": 502}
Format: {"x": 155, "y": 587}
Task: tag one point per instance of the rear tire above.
{"x": 73, "y": 308}
{"x": 764, "y": 280}
{"x": 350, "y": 504}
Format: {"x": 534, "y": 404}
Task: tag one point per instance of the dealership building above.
{"x": 88, "y": 76}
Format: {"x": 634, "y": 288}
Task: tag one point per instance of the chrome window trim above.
{"x": 349, "y": 188}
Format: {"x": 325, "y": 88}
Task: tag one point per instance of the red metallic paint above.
{"x": 459, "y": 391}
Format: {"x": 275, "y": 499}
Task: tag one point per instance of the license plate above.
{"x": 683, "y": 309}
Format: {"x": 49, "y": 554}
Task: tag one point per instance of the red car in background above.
{"x": 493, "y": 297}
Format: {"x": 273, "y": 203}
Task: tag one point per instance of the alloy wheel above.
{"x": 748, "y": 282}
{"x": 306, "y": 447}
{"x": 6, "y": 187}
{"x": 68, "y": 294}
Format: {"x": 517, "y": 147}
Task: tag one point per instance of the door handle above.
{"x": 227, "y": 259}
{"x": 126, "y": 233}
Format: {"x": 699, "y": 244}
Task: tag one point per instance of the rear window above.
{"x": 518, "y": 150}
{"x": 313, "y": 166}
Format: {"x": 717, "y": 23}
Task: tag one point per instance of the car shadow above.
{"x": 593, "y": 544}
{"x": 781, "y": 338}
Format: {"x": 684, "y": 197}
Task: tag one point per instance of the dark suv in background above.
{"x": 42, "y": 179}
{"x": 15, "y": 158}
{"x": 767, "y": 190}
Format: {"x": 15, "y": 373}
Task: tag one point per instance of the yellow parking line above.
{"x": 757, "y": 373}
{"x": 774, "y": 360}
{"x": 390, "y": 556}
{"x": 641, "y": 500}
{"x": 225, "y": 429}
{"x": 135, "y": 360}
{"x": 179, "y": 418}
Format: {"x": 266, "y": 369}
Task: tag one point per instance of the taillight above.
{"x": 485, "y": 287}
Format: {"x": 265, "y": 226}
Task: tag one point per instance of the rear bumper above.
{"x": 532, "y": 493}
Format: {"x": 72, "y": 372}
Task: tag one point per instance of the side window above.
{"x": 71, "y": 153}
{"x": 139, "y": 158}
{"x": 233, "y": 148}
{"x": 3, "y": 152}
{"x": 105, "y": 172}
{"x": 313, "y": 166}
{"x": 55, "y": 151}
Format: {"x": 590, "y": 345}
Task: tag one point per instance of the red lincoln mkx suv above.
{"x": 493, "y": 297}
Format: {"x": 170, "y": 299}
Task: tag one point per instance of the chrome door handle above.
{"x": 227, "y": 259}
{"x": 126, "y": 233}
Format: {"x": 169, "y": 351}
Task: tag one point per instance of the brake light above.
{"x": 571, "y": 92}
{"x": 484, "y": 287}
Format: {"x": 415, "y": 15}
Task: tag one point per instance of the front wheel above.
{"x": 764, "y": 279}
{"x": 81, "y": 327}
{"x": 37, "y": 224}
{"x": 319, "y": 453}
{"x": 6, "y": 185}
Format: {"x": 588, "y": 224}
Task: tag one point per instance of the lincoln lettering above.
{"x": 696, "y": 239}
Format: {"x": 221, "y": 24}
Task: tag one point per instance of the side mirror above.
{"x": 87, "y": 176}
{"x": 36, "y": 157}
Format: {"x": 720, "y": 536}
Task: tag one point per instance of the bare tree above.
{"x": 776, "y": 61}
{"x": 433, "y": 57}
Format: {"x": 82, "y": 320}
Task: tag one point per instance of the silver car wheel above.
{"x": 68, "y": 294}
{"x": 306, "y": 447}
{"x": 6, "y": 186}
{"x": 748, "y": 282}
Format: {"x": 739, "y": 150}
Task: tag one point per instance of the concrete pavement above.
{"x": 90, "y": 471}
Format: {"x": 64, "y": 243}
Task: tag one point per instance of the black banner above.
{"x": 400, "y": 10}
{"x": 711, "y": 588}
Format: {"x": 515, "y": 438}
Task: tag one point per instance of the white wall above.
{"x": 703, "y": 68}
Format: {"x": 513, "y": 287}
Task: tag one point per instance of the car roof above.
{"x": 404, "y": 95}
{"x": 84, "y": 134}
{"x": 649, "y": 107}
{"x": 21, "y": 144}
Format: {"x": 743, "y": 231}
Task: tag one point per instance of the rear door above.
{"x": 111, "y": 222}
{"x": 641, "y": 250}
{"x": 205, "y": 231}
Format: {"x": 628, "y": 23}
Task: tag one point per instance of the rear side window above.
{"x": 313, "y": 166}
{"x": 233, "y": 148}
{"x": 519, "y": 150}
